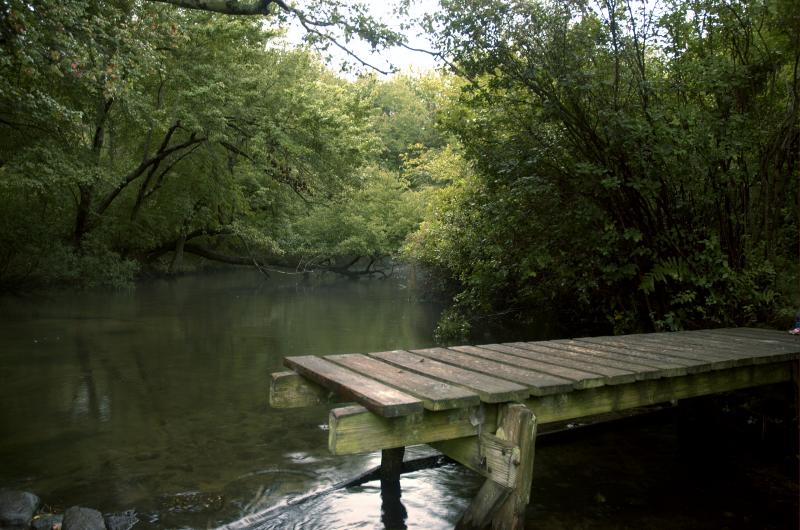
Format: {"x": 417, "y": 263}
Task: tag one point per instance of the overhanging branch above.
{"x": 228, "y": 7}
{"x": 367, "y": 28}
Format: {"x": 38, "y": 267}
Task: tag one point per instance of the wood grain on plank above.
{"x": 643, "y": 359}
{"x": 717, "y": 359}
{"x": 490, "y": 389}
{"x": 670, "y": 363}
{"x": 639, "y": 370}
{"x": 580, "y": 378}
{"x": 772, "y": 334}
{"x": 435, "y": 394}
{"x": 538, "y": 383}
{"x": 377, "y": 397}
{"x": 780, "y": 341}
{"x": 741, "y": 354}
{"x": 695, "y": 362}
{"x": 614, "y": 374}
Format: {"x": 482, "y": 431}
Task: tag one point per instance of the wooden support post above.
{"x": 505, "y": 507}
{"x": 393, "y": 513}
{"x": 518, "y": 423}
{"x": 392, "y": 463}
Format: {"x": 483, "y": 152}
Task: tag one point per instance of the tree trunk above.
{"x": 177, "y": 258}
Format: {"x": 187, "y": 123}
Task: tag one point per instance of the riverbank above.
{"x": 23, "y": 510}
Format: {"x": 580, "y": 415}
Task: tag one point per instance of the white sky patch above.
{"x": 406, "y": 61}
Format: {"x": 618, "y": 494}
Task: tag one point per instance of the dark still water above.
{"x": 156, "y": 400}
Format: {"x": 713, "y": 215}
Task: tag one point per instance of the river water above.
{"x": 156, "y": 400}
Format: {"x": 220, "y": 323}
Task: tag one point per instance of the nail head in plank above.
{"x": 490, "y": 389}
{"x": 376, "y": 396}
{"x": 538, "y": 383}
{"x": 435, "y": 395}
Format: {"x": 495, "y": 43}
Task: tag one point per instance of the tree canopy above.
{"x": 635, "y": 164}
{"x": 619, "y": 163}
{"x": 135, "y": 131}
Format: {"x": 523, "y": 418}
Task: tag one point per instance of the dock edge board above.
{"x": 354, "y": 429}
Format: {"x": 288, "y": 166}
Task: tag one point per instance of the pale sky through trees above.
{"x": 401, "y": 58}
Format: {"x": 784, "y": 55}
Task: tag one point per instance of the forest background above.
{"x": 620, "y": 164}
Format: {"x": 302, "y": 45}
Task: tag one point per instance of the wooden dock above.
{"x": 480, "y": 405}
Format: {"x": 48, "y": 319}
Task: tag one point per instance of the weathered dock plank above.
{"x": 580, "y": 378}
{"x": 490, "y": 389}
{"x": 671, "y": 366}
{"x": 694, "y": 362}
{"x": 717, "y": 359}
{"x": 538, "y": 383}
{"x": 761, "y": 333}
{"x": 665, "y": 368}
{"x": 377, "y": 397}
{"x": 639, "y": 369}
{"x": 741, "y": 354}
{"x": 610, "y": 375}
{"x": 435, "y": 395}
{"x": 777, "y": 341}
{"x": 617, "y": 372}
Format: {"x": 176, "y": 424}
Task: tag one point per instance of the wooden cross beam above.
{"x": 353, "y": 429}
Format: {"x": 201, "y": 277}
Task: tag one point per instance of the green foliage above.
{"x": 135, "y": 133}
{"x": 632, "y": 164}
{"x": 405, "y": 109}
{"x": 372, "y": 221}
{"x": 132, "y": 130}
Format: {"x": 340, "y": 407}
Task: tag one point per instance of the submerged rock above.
{"x": 121, "y": 521}
{"x": 193, "y": 501}
{"x": 47, "y": 522}
{"x": 17, "y": 508}
{"x": 77, "y": 518}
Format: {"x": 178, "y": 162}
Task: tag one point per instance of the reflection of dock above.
{"x": 480, "y": 405}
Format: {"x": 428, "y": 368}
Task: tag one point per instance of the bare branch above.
{"x": 331, "y": 39}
